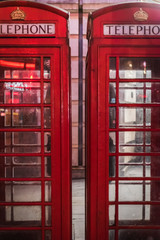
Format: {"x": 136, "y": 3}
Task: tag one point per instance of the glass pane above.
{"x": 47, "y": 141}
{"x": 20, "y": 117}
{"x": 47, "y": 67}
{"x": 112, "y": 166}
{"x": 20, "y": 93}
{"x": 111, "y": 215}
{"x": 112, "y": 67}
{"x": 48, "y": 235}
{"x": 48, "y": 166}
{"x": 139, "y": 234}
{"x": 144, "y": 214}
{"x": 129, "y": 214}
{"x": 112, "y": 93}
{"x": 47, "y": 93}
{"x": 20, "y": 167}
{"x": 112, "y": 191}
{"x": 48, "y": 213}
{"x": 131, "y": 191}
{"x": 134, "y": 141}
{"x": 131, "y": 117}
{"x": 20, "y": 68}
{"x": 48, "y": 191}
{"x": 19, "y": 235}
{"x": 20, "y": 142}
{"x": 47, "y": 117}
{"x": 26, "y": 117}
{"x": 20, "y": 215}
{"x": 111, "y": 235}
{"x": 22, "y": 191}
{"x": 112, "y": 142}
{"x": 112, "y": 117}
{"x": 136, "y": 92}
{"x": 139, "y": 68}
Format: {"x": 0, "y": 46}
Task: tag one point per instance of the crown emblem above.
{"x": 141, "y": 15}
{"x": 18, "y": 14}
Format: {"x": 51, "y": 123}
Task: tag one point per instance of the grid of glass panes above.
{"x": 25, "y": 147}
{"x": 134, "y": 149}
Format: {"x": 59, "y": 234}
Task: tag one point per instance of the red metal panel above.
{"x": 107, "y": 207}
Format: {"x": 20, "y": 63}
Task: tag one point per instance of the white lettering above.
{"x": 27, "y": 29}
{"x": 129, "y": 30}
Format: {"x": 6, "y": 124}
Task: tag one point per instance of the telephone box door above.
{"x": 31, "y": 140}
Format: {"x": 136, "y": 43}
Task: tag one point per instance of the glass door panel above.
{"x": 134, "y": 149}
{"x": 25, "y": 147}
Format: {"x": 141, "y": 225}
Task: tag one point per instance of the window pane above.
{"x": 20, "y": 93}
{"x": 47, "y": 67}
{"x": 139, "y": 234}
{"x": 47, "y": 93}
{"x": 112, "y": 93}
{"x": 139, "y": 68}
{"x": 20, "y": 167}
{"x": 19, "y": 235}
{"x": 20, "y": 142}
{"x": 111, "y": 215}
{"x": 20, "y": 216}
{"x": 22, "y": 191}
{"x": 47, "y": 117}
{"x": 112, "y": 67}
{"x": 19, "y": 68}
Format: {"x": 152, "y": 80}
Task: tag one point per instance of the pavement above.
{"x": 78, "y": 209}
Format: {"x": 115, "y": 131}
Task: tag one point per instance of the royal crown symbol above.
{"x": 18, "y": 14}
{"x": 140, "y": 15}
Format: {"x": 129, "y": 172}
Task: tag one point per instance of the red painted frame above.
{"x": 57, "y": 48}
{"x": 97, "y": 111}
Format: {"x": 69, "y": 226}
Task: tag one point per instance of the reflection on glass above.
{"x": 112, "y": 93}
{"x": 112, "y": 191}
{"x": 26, "y": 117}
{"x": 48, "y": 213}
{"x": 47, "y": 93}
{"x": 48, "y": 166}
{"x": 47, "y": 117}
{"x": 20, "y": 117}
{"x": 20, "y": 93}
{"x": 136, "y": 92}
{"x": 22, "y": 191}
{"x": 47, "y": 67}
{"x": 20, "y": 234}
{"x": 139, "y": 68}
{"x": 112, "y": 117}
{"x": 112, "y": 67}
{"x": 47, "y": 141}
{"x": 111, "y": 215}
{"x": 20, "y": 68}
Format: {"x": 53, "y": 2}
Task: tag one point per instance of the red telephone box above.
{"x": 123, "y": 123}
{"x": 35, "y": 192}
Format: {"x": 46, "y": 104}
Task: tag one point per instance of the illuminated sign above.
{"x": 27, "y": 29}
{"x": 131, "y": 30}
{"x": 16, "y": 86}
